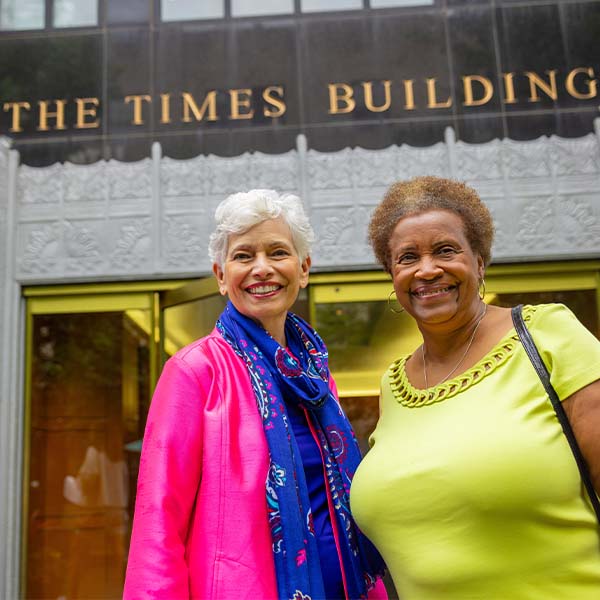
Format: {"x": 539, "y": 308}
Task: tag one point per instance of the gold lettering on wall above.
{"x": 241, "y": 99}
{"x": 276, "y": 101}
{"x": 432, "y": 101}
{"x": 137, "y": 100}
{"x": 590, "y": 82}
{"x": 340, "y": 98}
{"x": 484, "y": 82}
{"x": 84, "y": 111}
{"x": 509, "y": 88}
{"x": 209, "y": 104}
{"x": 165, "y": 108}
{"x": 375, "y": 96}
{"x": 45, "y": 114}
{"x": 409, "y": 94}
{"x": 368, "y": 91}
{"x": 16, "y": 107}
{"x": 536, "y": 82}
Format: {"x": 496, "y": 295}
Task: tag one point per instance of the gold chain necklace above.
{"x": 461, "y": 358}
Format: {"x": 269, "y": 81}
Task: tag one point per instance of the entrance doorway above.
{"x": 94, "y": 353}
{"x": 91, "y": 358}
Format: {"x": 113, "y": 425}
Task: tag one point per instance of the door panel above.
{"x": 89, "y": 389}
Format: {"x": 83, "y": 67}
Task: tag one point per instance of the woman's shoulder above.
{"x": 555, "y": 326}
{"x": 549, "y": 316}
{"x": 204, "y": 351}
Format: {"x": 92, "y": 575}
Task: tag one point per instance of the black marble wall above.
{"x": 299, "y": 59}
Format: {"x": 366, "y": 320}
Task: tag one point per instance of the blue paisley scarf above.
{"x": 300, "y": 373}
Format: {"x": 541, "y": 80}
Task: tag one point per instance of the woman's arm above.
{"x": 583, "y": 411}
{"x": 168, "y": 480}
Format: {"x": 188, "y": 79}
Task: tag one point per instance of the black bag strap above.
{"x": 542, "y": 371}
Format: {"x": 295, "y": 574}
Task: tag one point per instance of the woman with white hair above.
{"x": 247, "y": 457}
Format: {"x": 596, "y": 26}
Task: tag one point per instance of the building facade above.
{"x": 123, "y": 124}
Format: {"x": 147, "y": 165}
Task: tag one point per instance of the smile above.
{"x": 260, "y": 290}
{"x": 429, "y": 293}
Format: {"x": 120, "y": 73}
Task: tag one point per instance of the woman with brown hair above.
{"x": 470, "y": 489}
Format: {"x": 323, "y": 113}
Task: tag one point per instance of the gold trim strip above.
{"x": 88, "y": 303}
{"x": 26, "y": 453}
{"x": 102, "y": 288}
{"x": 192, "y": 290}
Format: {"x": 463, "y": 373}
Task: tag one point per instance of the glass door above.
{"x": 363, "y": 336}
{"x": 89, "y": 367}
{"x": 187, "y": 313}
{"x": 190, "y": 312}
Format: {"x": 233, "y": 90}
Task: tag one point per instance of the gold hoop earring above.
{"x": 389, "y": 300}
{"x": 482, "y": 288}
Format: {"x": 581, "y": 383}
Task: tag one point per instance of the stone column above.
{"x": 11, "y": 404}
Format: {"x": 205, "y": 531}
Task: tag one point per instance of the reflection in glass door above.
{"x": 189, "y": 313}
{"x": 89, "y": 377}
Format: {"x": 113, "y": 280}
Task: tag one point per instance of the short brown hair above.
{"x": 421, "y": 194}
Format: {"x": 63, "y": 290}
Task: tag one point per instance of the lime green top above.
{"x": 470, "y": 489}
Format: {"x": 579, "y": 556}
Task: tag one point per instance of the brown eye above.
{"x": 406, "y": 259}
{"x": 447, "y": 251}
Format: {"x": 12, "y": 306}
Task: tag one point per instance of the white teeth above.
{"x": 263, "y": 289}
{"x": 432, "y": 292}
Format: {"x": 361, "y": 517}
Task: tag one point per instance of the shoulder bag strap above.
{"x": 542, "y": 371}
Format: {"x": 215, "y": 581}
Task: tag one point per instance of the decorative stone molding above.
{"x": 114, "y": 220}
{"x": 4, "y": 150}
{"x": 11, "y": 423}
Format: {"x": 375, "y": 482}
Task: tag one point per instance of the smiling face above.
{"x": 262, "y": 274}
{"x": 435, "y": 272}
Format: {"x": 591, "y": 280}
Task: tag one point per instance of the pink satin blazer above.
{"x": 200, "y": 528}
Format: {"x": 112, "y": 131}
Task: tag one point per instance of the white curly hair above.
{"x": 243, "y": 210}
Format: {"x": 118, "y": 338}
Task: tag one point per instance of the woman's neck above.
{"x": 439, "y": 345}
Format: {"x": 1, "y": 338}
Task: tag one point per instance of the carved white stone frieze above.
{"x": 433, "y": 160}
{"x": 186, "y": 242}
{"x": 227, "y": 176}
{"x": 336, "y": 231}
{"x": 131, "y": 250}
{"x": 184, "y": 177}
{"x": 477, "y": 162}
{"x": 575, "y": 157}
{"x": 579, "y": 222}
{"x": 527, "y": 159}
{"x": 154, "y": 217}
{"x": 40, "y": 248}
{"x": 85, "y": 183}
{"x": 83, "y": 247}
{"x": 375, "y": 168}
{"x": 129, "y": 180}
{"x": 275, "y": 171}
{"x": 327, "y": 171}
{"x": 40, "y": 185}
{"x": 536, "y": 226}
